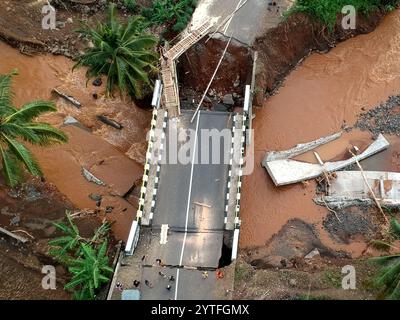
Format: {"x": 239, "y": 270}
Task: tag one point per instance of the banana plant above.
{"x": 388, "y": 276}
{"x": 89, "y": 272}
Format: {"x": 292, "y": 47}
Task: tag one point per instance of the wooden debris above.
{"x": 110, "y": 122}
{"x": 69, "y": 98}
{"x": 368, "y": 185}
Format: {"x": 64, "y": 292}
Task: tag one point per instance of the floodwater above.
{"x": 114, "y": 156}
{"x": 326, "y": 92}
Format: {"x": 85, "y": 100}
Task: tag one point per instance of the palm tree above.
{"x": 89, "y": 271}
{"x": 388, "y": 276}
{"x": 19, "y": 124}
{"x": 122, "y": 52}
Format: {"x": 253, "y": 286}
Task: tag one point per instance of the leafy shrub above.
{"x": 326, "y": 11}
{"x": 130, "y": 5}
{"x": 175, "y": 13}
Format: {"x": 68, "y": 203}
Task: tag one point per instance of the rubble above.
{"x": 349, "y": 189}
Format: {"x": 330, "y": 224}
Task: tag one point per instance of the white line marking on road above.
{"x": 188, "y": 205}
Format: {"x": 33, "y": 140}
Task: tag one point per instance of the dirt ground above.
{"x": 319, "y": 279}
{"x": 21, "y": 24}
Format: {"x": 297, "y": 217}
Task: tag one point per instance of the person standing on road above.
{"x": 148, "y": 283}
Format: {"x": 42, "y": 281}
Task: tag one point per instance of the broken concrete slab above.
{"x": 91, "y": 178}
{"x": 70, "y": 120}
{"x": 300, "y": 148}
{"x": 349, "y": 188}
{"x": 287, "y": 171}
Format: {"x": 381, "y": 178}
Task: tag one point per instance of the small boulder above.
{"x": 228, "y": 99}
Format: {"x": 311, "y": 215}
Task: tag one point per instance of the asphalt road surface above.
{"x": 190, "y": 200}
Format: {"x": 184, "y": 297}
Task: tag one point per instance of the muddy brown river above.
{"x": 324, "y": 93}
{"x": 114, "y": 156}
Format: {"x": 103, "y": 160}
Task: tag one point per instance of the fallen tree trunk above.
{"x": 71, "y": 99}
{"x": 110, "y": 122}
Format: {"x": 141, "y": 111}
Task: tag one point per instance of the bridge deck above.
{"x": 190, "y": 200}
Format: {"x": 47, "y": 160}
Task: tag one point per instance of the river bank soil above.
{"x": 318, "y": 279}
{"x": 323, "y": 95}
{"x": 21, "y": 24}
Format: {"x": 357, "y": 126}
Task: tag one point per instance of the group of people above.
{"x": 219, "y": 275}
{"x": 170, "y": 278}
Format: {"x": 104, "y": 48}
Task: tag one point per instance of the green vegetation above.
{"x": 19, "y": 124}
{"x": 388, "y": 277}
{"x": 122, "y": 52}
{"x": 86, "y": 259}
{"x": 176, "y": 14}
{"x": 326, "y": 11}
{"x": 130, "y": 5}
{"x": 334, "y": 278}
{"x": 242, "y": 272}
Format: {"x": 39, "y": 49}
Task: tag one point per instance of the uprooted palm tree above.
{"x": 388, "y": 276}
{"x": 19, "y": 124}
{"x": 122, "y": 52}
